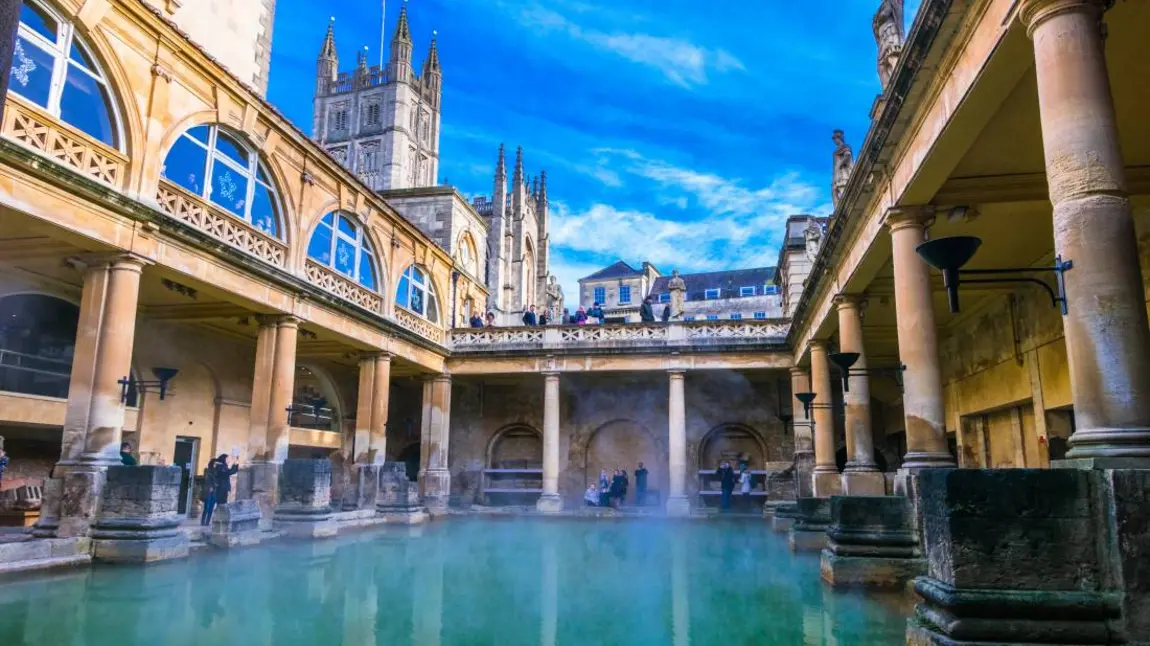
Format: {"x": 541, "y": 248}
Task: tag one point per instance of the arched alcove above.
{"x": 515, "y": 447}
{"x": 622, "y": 444}
{"x": 734, "y": 443}
{"x": 37, "y": 339}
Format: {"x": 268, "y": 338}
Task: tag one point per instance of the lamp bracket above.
{"x": 1057, "y": 293}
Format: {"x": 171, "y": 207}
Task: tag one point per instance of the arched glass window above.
{"x": 218, "y": 167}
{"x": 52, "y": 68}
{"x": 417, "y": 293}
{"x": 343, "y": 245}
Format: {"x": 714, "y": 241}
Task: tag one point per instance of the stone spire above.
{"x": 327, "y": 52}
{"x": 327, "y": 64}
{"x": 542, "y": 187}
{"x": 402, "y": 30}
{"x": 501, "y": 164}
{"x": 431, "y": 65}
{"x": 517, "y": 176}
{"x": 399, "y": 66}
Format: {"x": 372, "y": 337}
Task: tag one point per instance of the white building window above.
{"x": 760, "y": 316}
{"x": 599, "y": 295}
{"x": 736, "y": 316}
{"x": 689, "y": 317}
{"x": 746, "y": 291}
{"x": 665, "y": 297}
{"x": 52, "y": 68}
{"x": 771, "y": 290}
{"x": 712, "y": 294}
{"x": 624, "y": 294}
{"x": 712, "y": 317}
{"x": 345, "y": 247}
{"x": 417, "y": 294}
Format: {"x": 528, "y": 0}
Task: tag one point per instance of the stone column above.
{"x": 363, "y": 420}
{"x": 826, "y": 480}
{"x": 434, "y": 477}
{"x": 861, "y": 476}
{"x": 677, "y": 503}
{"x": 380, "y": 400}
{"x": 262, "y": 390}
{"x": 282, "y": 388}
{"x": 1107, "y": 338}
{"x": 917, "y": 343}
{"x": 269, "y": 426}
{"x": 804, "y": 463}
{"x": 550, "y": 502}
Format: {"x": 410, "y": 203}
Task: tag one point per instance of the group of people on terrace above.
{"x": 533, "y": 317}
{"x": 612, "y": 491}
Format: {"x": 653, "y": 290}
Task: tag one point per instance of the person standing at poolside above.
{"x": 640, "y": 484}
{"x": 726, "y": 477}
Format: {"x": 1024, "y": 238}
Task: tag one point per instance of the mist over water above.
{"x": 468, "y": 581}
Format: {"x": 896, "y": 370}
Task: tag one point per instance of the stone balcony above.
{"x": 631, "y": 337}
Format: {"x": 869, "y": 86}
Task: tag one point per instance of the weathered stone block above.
{"x": 304, "y": 508}
{"x": 1129, "y": 495}
{"x": 366, "y": 486}
{"x": 784, "y": 518}
{"x": 435, "y": 486}
{"x": 398, "y": 498}
{"x": 49, "y": 520}
{"x": 79, "y": 501}
{"x": 139, "y": 519}
{"x": 827, "y": 484}
{"x": 804, "y": 466}
{"x": 871, "y": 542}
{"x": 236, "y": 524}
{"x": 809, "y": 533}
{"x": 863, "y": 483}
{"x": 259, "y": 481}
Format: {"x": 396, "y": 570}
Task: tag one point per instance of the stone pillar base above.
{"x": 366, "y": 486}
{"x": 871, "y": 542}
{"x": 804, "y": 467}
{"x": 863, "y": 483}
{"x": 549, "y": 504}
{"x": 868, "y": 572}
{"x": 678, "y": 506}
{"x": 398, "y": 500}
{"x": 436, "y": 488}
{"x": 138, "y": 520}
{"x": 236, "y": 524}
{"x": 1101, "y": 463}
{"x": 809, "y": 533}
{"x": 784, "y": 518}
{"x": 49, "y": 520}
{"x": 259, "y": 481}
{"x": 81, "y": 489}
{"x": 827, "y": 484}
{"x": 304, "y": 510}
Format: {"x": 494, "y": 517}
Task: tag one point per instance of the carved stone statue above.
{"x": 844, "y": 164}
{"x": 888, "y": 34}
{"x": 678, "y": 290}
{"x": 814, "y": 238}
{"x": 554, "y": 299}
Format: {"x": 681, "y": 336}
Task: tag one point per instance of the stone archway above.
{"x": 734, "y": 443}
{"x": 623, "y": 444}
{"x": 517, "y": 446}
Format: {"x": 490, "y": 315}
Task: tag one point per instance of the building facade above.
{"x": 619, "y": 289}
{"x": 740, "y": 294}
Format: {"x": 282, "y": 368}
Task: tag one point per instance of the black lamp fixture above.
{"x": 162, "y": 375}
{"x": 806, "y": 399}
{"x": 948, "y": 255}
{"x": 845, "y": 361}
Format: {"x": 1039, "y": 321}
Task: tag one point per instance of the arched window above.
{"x": 467, "y": 255}
{"x": 338, "y": 242}
{"x": 218, "y": 167}
{"x": 54, "y": 69}
{"x": 417, "y": 294}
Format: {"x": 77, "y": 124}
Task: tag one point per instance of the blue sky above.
{"x": 683, "y": 133}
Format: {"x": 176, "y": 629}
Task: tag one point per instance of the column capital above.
{"x": 128, "y": 262}
{"x": 799, "y": 371}
{"x": 676, "y": 373}
{"x": 850, "y": 301}
{"x": 821, "y": 344}
{"x": 1032, "y": 13}
{"x": 550, "y": 374}
{"x": 437, "y": 378}
{"x": 287, "y": 320}
{"x": 902, "y": 217}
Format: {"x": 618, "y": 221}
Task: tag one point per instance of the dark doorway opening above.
{"x": 187, "y": 450}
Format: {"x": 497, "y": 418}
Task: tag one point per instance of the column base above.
{"x": 1108, "y": 443}
{"x": 236, "y": 524}
{"x": 1098, "y": 464}
{"x": 259, "y": 481}
{"x": 804, "y": 466}
{"x": 139, "y": 521}
{"x": 435, "y": 486}
{"x": 678, "y": 506}
{"x": 928, "y": 460}
{"x": 80, "y": 500}
{"x": 868, "y": 571}
{"x": 812, "y": 517}
{"x": 549, "y": 503}
{"x": 863, "y": 483}
{"x": 871, "y": 542}
{"x": 827, "y": 484}
{"x": 784, "y": 518}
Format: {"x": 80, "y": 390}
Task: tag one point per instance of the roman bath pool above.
{"x": 463, "y": 581}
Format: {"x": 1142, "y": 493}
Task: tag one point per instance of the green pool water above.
{"x": 464, "y": 581}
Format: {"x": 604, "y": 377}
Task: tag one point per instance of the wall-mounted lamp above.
{"x": 844, "y": 361}
{"x": 163, "y": 376}
{"x": 948, "y": 255}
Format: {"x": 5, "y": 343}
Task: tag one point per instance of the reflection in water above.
{"x": 466, "y": 581}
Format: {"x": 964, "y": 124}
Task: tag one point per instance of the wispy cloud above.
{"x": 680, "y": 61}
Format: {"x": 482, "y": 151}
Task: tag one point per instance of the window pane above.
{"x": 264, "y": 211}
{"x": 327, "y": 219}
{"x": 346, "y": 227}
{"x": 80, "y": 56}
{"x": 185, "y": 165}
{"x": 31, "y": 72}
{"x": 85, "y": 105}
{"x": 320, "y": 246}
{"x": 200, "y": 134}
{"x": 345, "y": 257}
{"x": 401, "y": 293}
{"x": 417, "y": 274}
{"x": 366, "y": 271}
{"x": 231, "y": 149}
{"x": 229, "y": 188}
{"x": 417, "y": 300}
{"x": 432, "y": 310}
{"x": 38, "y": 21}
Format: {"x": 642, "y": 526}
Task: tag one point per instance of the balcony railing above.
{"x": 28, "y": 126}
{"x": 624, "y": 336}
{"x": 343, "y": 287}
{"x": 419, "y": 325}
{"x": 226, "y": 228}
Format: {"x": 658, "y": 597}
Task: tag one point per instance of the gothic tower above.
{"x": 381, "y": 123}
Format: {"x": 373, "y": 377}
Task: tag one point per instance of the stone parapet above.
{"x": 398, "y": 499}
{"x": 734, "y": 334}
{"x": 236, "y": 524}
{"x": 1033, "y": 556}
{"x": 871, "y": 543}
{"x": 812, "y": 518}
{"x": 304, "y": 509}
{"x": 139, "y": 516}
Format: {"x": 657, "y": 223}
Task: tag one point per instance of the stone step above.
{"x": 45, "y": 553}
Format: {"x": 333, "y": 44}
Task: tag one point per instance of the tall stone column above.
{"x": 269, "y": 426}
{"x": 434, "y": 477}
{"x": 282, "y": 389}
{"x": 1107, "y": 337}
{"x": 826, "y": 479}
{"x": 677, "y": 502}
{"x": 380, "y": 403}
{"x": 550, "y": 502}
{"x": 364, "y": 402}
{"x": 262, "y": 390}
{"x": 917, "y": 343}
{"x": 804, "y": 436}
{"x": 861, "y": 476}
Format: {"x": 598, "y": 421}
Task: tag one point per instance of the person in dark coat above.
{"x": 529, "y": 317}
{"x": 208, "y": 493}
{"x": 618, "y": 487}
{"x": 666, "y": 313}
{"x": 726, "y": 477}
{"x": 222, "y": 482}
{"x": 646, "y": 312}
{"x": 640, "y": 485}
{"x": 126, "y": 457}
{"x": 476, "y": 320}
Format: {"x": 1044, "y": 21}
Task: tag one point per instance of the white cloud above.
{"x": 680, "y": 61}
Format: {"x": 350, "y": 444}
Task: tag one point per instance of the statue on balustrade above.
{"x": 888, "y": 34}
{"x": 844, "y": 164}
{"x": 554, "y": 300}
{"x": 678, "y": 290}
{"x": 814, "y": 239}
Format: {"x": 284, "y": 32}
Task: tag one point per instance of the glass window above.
{"x": 759, "y": 316}
{"x": 665, "y": 297}
{"x": 52, "y": 69}
{"x": 770, "y": 290}
{"x": 712, "y": 294}
{"x": 417, "y": 294}
{"x": 736, "y": 316}
{"x": 712, "y": 317}
{"x": 242, "y": 189}
{"x": 689, "y": 317}
{"x": 624, "y": 293}
{"x": 600, "y": 295}
{"x": 746, "y": 291}
{"x": 345, "y": 248}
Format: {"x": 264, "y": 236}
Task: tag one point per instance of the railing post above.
{"x": 552, "y": 337}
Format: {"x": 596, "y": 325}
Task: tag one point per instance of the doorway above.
{"x": 186, "y": 457}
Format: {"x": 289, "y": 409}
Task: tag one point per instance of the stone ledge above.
{"x": 868, "y": 571}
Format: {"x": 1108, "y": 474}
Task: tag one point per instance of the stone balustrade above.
{"x": 30, "y": 126}
{"x": 717, "y": 334}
